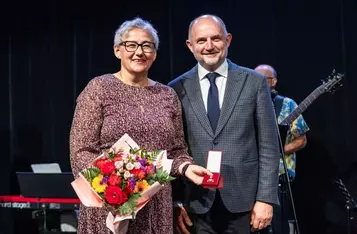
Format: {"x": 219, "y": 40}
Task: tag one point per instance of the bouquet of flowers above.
{"x": 124, "y": 178}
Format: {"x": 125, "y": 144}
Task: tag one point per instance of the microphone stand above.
{"x": 287, "y": 182}
{"x": 350, "y": 203}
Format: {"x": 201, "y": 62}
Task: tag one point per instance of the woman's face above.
{"x": 137, "y": 51}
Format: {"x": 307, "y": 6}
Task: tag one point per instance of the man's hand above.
{"x": 181, "y": 220}
{"x": 261, "y": 216}
{"x": 196, "y": 173}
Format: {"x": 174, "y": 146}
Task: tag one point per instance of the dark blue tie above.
{"x": 213, "y": 109}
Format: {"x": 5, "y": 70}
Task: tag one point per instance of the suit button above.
{"x": 215, "y": 142}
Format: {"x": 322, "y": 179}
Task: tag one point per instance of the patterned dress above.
{"x": 108, "y": 108}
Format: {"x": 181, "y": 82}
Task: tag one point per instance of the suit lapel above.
{"x": 194, "y": 94}
{"x": 235, "y": 82}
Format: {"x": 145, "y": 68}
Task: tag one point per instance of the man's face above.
{"x": 208, "y": 43}
{"x": 268, "y": 73}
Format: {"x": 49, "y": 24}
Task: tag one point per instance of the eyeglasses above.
{"x": 132, "y": 46}
{"x": 269, "y": 77}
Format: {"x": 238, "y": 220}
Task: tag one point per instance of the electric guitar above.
{"x": 330, "y": 84}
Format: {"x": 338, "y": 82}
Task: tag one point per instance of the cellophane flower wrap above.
{"x": 123, "y": 178}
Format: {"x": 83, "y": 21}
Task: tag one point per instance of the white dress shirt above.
{"x": 221, "y": 82}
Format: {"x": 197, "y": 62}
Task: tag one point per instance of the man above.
{"x": 295, "y": 140}
{"x": 227, "y": 107}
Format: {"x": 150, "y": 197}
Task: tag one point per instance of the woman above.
{"x": 129, "y": 102}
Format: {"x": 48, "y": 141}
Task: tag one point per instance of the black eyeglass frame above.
{"x": 152, "y": 49}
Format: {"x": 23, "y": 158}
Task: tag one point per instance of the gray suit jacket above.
{"x": 246, "y": 133}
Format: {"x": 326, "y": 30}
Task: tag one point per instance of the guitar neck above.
{"x": 303, "y": 106}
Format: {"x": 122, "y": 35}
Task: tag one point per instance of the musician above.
{"x": 295, "y": 140}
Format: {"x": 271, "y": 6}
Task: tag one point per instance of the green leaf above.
{"x": 90, "y": 173}
{"x": 123, "y": 184}
{"x": 111, "y": 156}
{"x": 145, "y": 155}
{"x": 129, "y": 206}
{"x": 134, "y": 150}
{"x": 150, "y": 180}
{"x": 162, "y": 176}
{"x": 154, "y": 155}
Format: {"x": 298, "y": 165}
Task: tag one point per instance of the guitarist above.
{"x": 295, "y": 140}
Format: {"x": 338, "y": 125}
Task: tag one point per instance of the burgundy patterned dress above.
{"x": 107, "y": 109}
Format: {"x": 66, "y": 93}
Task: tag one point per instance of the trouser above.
{"x": 218, "y": 220}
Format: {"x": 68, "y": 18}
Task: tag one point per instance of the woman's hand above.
{"x": 196, "y": 173}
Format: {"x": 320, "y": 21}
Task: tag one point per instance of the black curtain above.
{"x": 51, "y": 49}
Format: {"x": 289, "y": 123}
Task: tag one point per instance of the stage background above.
{"x": 49, "y": 50}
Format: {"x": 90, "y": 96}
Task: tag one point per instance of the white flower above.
{"x": 121, "y": 170}
{"x": 119, "y": 164}
{"x": 129, "y": 166}
{"x": 127, "y": 174}
{"x": 125, "y": 160}
{"x": 137, "y": 165}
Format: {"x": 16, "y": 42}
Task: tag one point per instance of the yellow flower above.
{"x": 141, "y": 186}
{"x": 97, "y": 184}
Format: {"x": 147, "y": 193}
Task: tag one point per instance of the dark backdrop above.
{"x": 51, "y": 49}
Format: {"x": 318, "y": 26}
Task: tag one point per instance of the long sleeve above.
{"x": 86, "y": 128}
{"x": 178, "y": 152}
{"x": 267, "y": 146}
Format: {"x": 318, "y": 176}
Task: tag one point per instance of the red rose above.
{"x": 107, "y": 168}
{"x": 114, "y": 179}
{"x": 115, "y": 196}
{"x": 139, "y": 173}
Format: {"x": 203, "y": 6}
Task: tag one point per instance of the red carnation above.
{"x": 107, "y": 168}
{"x": 100, "y": 162}
{"x": 150, "y": 169}
{"x": 118, "y": 157}
{"x": 139, "y": 173}
{"x": 114, "y": 179}
{"x": 127, "y": 190}
{"x": 115, "y": 196}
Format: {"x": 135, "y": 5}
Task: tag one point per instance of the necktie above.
{"x": 213, "y": 109}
